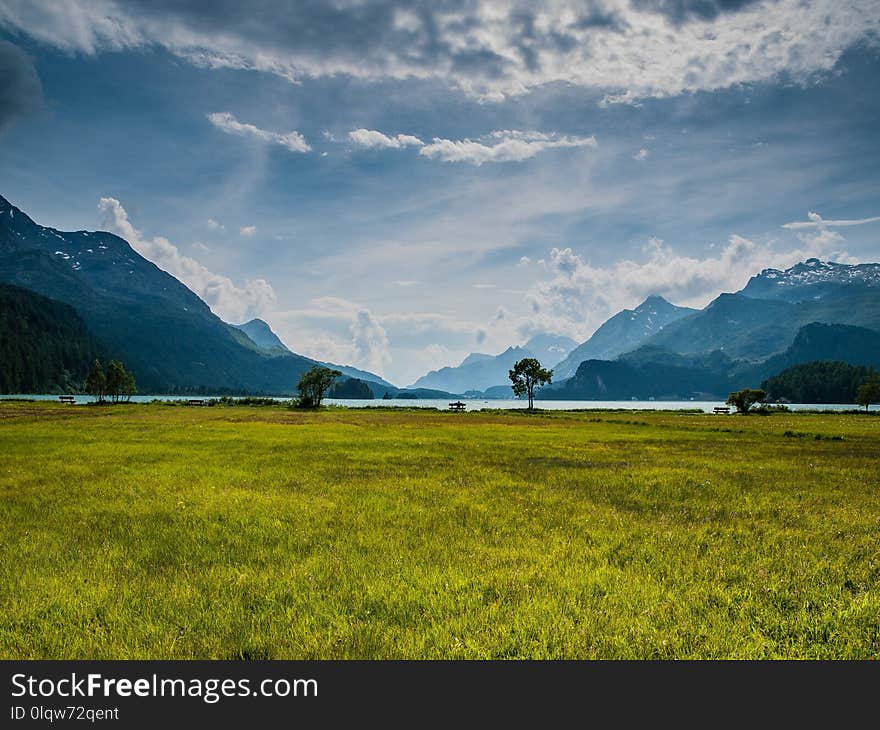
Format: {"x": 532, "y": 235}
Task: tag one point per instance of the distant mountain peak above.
{"x": 653, "y": 305}
{"x": 255, "y": 324}
{"x": 477, "y": 372}
{"x": 654, "y": 300}
{"x": 15, "y": 213}
{"x": 476, "y": 357}
{"x": 623, "y": 332}
{"x": 261, "y": 335}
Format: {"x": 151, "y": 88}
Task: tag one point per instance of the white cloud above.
{"x": 336, "y": 330}
{"x": 199, "y": 246}
{"x": 433, "y": 357}
{"x": 499, "y": 146}
{"x": 226, "y": 122}
{"x": 371, "y": 347}
{"x": 503, "y": 146}
{"x": 627, "y": 50}
{"x": 215, "y": 225}
{"x": 248, "y": 231}
{"x": 417, "y": 327}
{"x": 371, "y": 138}
{"x": 624, "y": 97}
{"x": 228, "y": 301}
{"x": 341, "y": 331}
{"x": 575, "y": 296}
{"x": 816, "y": 234}
{"x": 814, "y": 220}
{"x": 641, "y": 155}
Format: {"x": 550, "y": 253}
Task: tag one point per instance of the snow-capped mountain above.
{"x": 763, "y": 319}
{"x": 86, "y": 265}
{"x": 810, "y": 279}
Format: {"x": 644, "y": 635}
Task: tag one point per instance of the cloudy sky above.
{"x": 395, "y": 184}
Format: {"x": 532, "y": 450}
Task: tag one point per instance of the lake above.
{"x": 476, "y": 404}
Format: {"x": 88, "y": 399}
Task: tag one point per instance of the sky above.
{"x": 393, "y": 185}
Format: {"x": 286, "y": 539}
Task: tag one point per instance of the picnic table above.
{"x": 457, "y": 406}
{"x": 195, "y": 402}
{"x": 69, "y": 399}
{"x": 721, "y": 409}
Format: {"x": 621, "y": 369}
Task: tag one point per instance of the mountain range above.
{"x": 813, "y": 311}
{"x": 655, "y": 373}
{"x": 479, "y": 372}
{"x": 811, "y": 279}
{"x": 70, "y": 296}
{"x": 755, "y": 329}
{"x": 662, "y": 350}
{"x": 625, "y": 331}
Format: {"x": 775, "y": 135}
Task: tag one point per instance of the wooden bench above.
{"x": 457, "y": 406}
{"x": 67, "y": 399}
{"x": 721, "y": 409}
{"x": 195, "y": 402}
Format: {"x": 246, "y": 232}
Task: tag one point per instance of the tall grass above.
{"x": 160, "y": 532}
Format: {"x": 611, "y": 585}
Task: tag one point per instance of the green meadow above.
{"x": 155, "y": 531}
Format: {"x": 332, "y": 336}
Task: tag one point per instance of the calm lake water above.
{"x": 476, "y": 404}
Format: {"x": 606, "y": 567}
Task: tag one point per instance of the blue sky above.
{"x": 395, "y": 184}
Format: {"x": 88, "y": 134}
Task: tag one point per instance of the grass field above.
{"x": 147, "y": 531}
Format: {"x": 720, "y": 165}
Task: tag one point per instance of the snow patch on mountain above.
{"x": 774, "y": 283}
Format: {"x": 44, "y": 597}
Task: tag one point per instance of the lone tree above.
{"x": 869, "y": 391}
{"x": 743, "y": 400}
{"x": 314, "y": 384}
{"x": 527, "y": 374}
{"x": 120, "y": 382}
{"x": 96, "y": 382}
